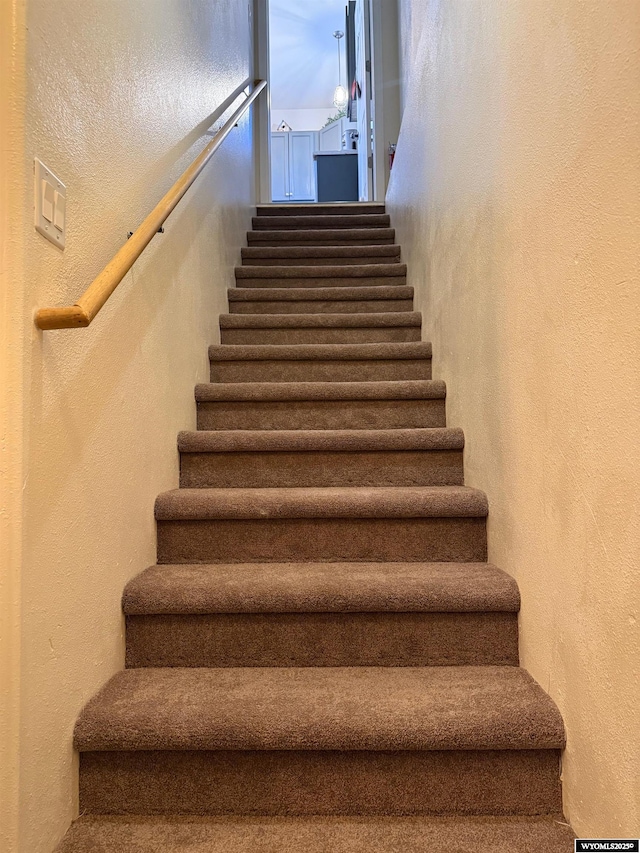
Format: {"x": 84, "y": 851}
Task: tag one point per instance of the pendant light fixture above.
{"x": 340, "y": 95}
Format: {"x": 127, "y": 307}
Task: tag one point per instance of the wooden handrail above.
{"x": 85, "y": 309}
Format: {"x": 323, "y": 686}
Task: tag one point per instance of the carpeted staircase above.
{"x": 322, "y": 660}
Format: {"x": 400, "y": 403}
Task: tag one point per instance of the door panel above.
{"x": 365, "y": 131}
{"x": 331, "y": 137}
{"x": 279, "y": 167}
{"x": 301, "y": 147}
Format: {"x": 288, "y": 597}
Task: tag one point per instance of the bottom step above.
{"x": 317, "y": 835}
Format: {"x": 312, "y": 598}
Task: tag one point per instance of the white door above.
{"x": 363, "y": 77}
{"x": 302, "y": 144}
{"x": 280, "y": 167}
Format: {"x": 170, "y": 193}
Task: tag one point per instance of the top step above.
{"x": 290, "y": 222}
{"x": 337, "y": 209}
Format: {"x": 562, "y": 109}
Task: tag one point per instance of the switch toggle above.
{"x": 50, "y": 205}
{"x": 47, "y": 200}
{"x": 59, "y": 210}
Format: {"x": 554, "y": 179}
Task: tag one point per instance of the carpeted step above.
{"x": 323, "y": 237}
{"x": 319, "y": 300}
{"x": 415, "y": 524}
{"x": 320, "y": 362}
{"x": 321, "y": 405}
{"x": 319, "y": 614}
{"x": 176, "y": 834}
{"x": 315, "y": 209}
{"x": 320, "y": 255}
{"x": 333, "y": 221}
{"x": 336, "y": 275}
{"x": 391, "y": 326}
{"x": 352, "y": 740}
{"x": 298, "y": 458}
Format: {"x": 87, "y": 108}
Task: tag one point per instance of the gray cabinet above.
{"x": 292, "y": 169}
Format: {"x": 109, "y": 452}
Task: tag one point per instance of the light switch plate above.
{"x": 50, "y": 205}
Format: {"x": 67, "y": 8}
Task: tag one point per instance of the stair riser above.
{"x": 294, "y": 223}
{"x": 323, "y": 414}
{"x": 320, "y": 371}
{"x": 321, "y": 335}
{"x": 516, "y": 782}
{"x": 320, "y": 210}
{"x": 293, "y": 238}
{"x": 289, "y": 540}
{"x": 335, "y": 306}
{"x": 349, "y": 260}
{"x": 300, "y": 469}
{"x": 323, "y": 639}
{"x": 346, "y": 281}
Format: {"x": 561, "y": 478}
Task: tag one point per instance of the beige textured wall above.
{"x": 12, "y": 50}
{"x": 516, "y": 194}
{"x": 114, "y": 90}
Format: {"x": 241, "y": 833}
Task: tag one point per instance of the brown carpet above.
{"x": 322, "y": 659}
{"x": 318, "y": 835}
{"x": 311, "y": 271}
{"x": 323, "y": 237}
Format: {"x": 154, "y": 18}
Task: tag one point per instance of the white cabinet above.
{"x": 292, "y": 169}
{"x": 331, "y": 136}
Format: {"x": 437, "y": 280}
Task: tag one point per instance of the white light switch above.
{"x": 50, "y": 205}
{"x": 47, "y": 200}
{"x": 59, "y": 210}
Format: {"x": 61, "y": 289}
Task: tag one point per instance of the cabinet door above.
{"x": 301, "y": 169}
{"x": 331, "y": 137}
{"x": 280, "y": 167}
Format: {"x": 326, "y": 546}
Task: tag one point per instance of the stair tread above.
{"x": 321, "y": 251}
{"x": 324, "y": 294}
{"x": 321, "y": 588}
{"x": 333, "y": 352}
{"x": 353, "y": 440}
{"x": 332, "y": 220}
{"x": 328, "y": 271}
{"x": 322, "y": 502}
{"x": 315, "y": 208}
{"x": 187, "y": 834}
{"x": 305, "y": 321}
{"x": 401, "y": 389}
{"x": 314, "y": 708}
{"x": 324, "y": 234}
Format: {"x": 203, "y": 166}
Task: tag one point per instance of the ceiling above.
{"x": 303, "y": 53}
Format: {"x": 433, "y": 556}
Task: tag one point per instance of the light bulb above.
{"x": 340, "y": 97}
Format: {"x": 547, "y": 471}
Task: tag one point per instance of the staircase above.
{"x": 322, "y": 660}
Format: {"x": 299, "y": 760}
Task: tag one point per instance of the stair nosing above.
{"x": 320, "y": 294}
{"x": 267, "y": 834}
{"x": 383, "y": 250}
{"x": 384, "y": 319}
{"x": 323, "y": 271}
{"x": 323, "y": 234}
{"x": 321, "y": 588}
{"x": 207, "y": 504}
{"x": 351, "y": 441}
{"x": 408, "y": 389}
{"x": 382, "y": 351}
{"x": 321, "y": 708}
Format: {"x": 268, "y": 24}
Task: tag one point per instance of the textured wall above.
{"x": 117, "y": 100}
{"x": 12, "y": 95}
{"x": 516, "y": 194}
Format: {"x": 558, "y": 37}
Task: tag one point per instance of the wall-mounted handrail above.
{"x": 85, "y": 309}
